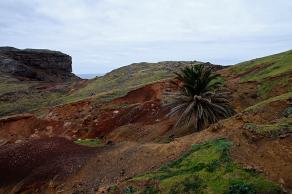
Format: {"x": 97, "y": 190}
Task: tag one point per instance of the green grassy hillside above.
{"x": 265, "y": 67}
{"x": 270, "y": 73}
{"x": 206, "y": 168}
{"x": 17, "y": 97}
{"x": 122, "y": 80}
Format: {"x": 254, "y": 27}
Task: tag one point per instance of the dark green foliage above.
{"x": 199, "y": 101}
{"x": 129, "y": 190}
{"x": 112, "y": 189}
{"x": 213, "y": 165}
{"x": 287, "y": 112}
{"x": 241, "y": 188}
{"x": 192, "y": 184}
{"x": 152, "y": 189}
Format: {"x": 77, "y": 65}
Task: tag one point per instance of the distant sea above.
{"x": 89, "y": 76}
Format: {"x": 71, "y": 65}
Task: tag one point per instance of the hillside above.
{"x": 33, "y": 78}
{"x": 30, "y": 96}
{"x": 111, "y": 135}
{"x": 260, "y": 79}
{"x": 122, "y": 80}
{"x": 34, "y": 95}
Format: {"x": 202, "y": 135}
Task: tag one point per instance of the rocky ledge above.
{"x": 36, "y": 64}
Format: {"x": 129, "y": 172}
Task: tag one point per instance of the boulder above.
{"x": 36, "y": 64}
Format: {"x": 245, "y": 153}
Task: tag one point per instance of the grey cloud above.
{"x": 105, "y": 34}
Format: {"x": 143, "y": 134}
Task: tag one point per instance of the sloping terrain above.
{"x": 138, "y": 151}
{"x": 31, "y": 79}
{"x": 122, "y": 80}
{"x": 198, "y": 171}
{"x": 259, "y": 79}
{"x": 31, "y": 96}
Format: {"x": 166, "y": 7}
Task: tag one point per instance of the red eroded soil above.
{"x": 85, "y": 119}
{"x": 25, "y": 126}
{"x": 40, "y": 160}
{"x": 146, "y": 93}
{"x": 141, "y": 106}
{"x": 144, "y": 113}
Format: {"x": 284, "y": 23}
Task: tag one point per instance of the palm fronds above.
{"x": 199, "y": 100}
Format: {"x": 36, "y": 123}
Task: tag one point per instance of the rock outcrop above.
{"x": 36, "y": 64}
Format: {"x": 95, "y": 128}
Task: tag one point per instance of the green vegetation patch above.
{"x": 262, "y": 104}
{"x": 13, "y": 87}
{"x": 265, "y": 89}
{"x": 89, "y": 142}
{"x": 29, "y": 102}
{"x": 206, "y": 168}
{"x": 270, "y": 66}
{"x": 281, "y": 126}
{"x": 287, "y": 112}
{"x": 28, "y": 96}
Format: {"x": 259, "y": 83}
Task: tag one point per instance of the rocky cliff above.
{"x": 36, "y": 64}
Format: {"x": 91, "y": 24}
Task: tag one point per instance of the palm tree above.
{"x": 199, "y": 100}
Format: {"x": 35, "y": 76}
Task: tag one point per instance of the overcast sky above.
{"x": 102, "y": 35}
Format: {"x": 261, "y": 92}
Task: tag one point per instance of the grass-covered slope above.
{"x": 279, "y": 127}
{"x": 17, "y": 97}
{"x": 272, "y": 73}
{"x": 24, "y": 96}
{"x": 282, "y": 97}
{"x": 206, "y": 168}
{"x": 282, "y": 125}
{"x": 261, "y": 68}
{"x": 122, "y": 80}
{"x": 262, "y": 78}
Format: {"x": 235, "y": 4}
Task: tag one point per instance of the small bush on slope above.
{"x": 262, "y": 104}
{"x": 279, "y": 127}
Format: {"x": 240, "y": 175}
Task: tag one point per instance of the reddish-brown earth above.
{"x": 40, "y": 160}
{"x": 17, "y": 128}
{"x": 114, "y": 163}
{"x": 137, "y": 125}
{"x": 142, "y": 106}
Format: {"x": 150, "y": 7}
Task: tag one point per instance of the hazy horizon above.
{"x": 107, "y": 34}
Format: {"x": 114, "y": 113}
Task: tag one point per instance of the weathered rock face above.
{"x": 36, "y": 64}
